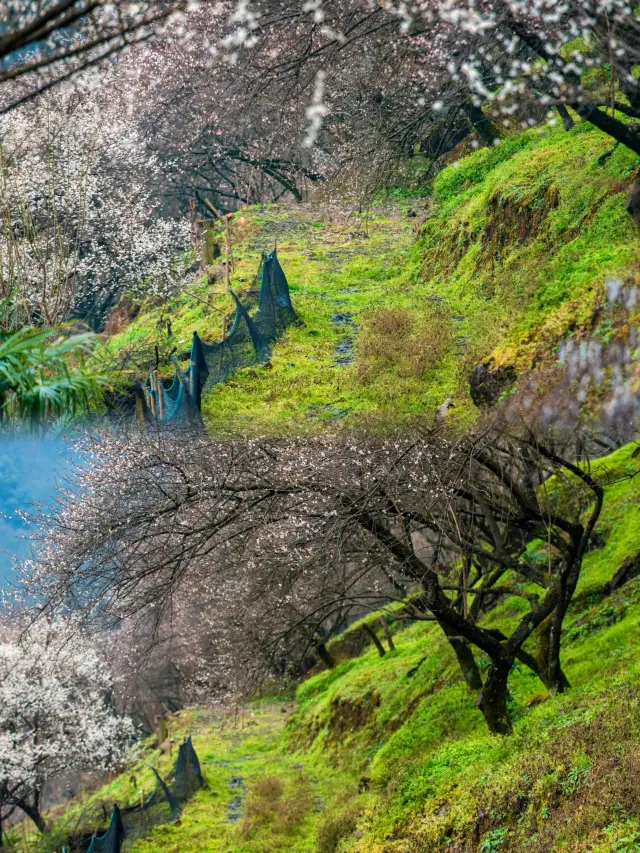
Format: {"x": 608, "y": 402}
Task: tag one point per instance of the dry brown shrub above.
{"x": 294, "y": 806}
{"x": 271, "y": 802}
{"x": 262, "y": 803}
{"x": 335, "y": 828}
{"x": 395, "y": 340}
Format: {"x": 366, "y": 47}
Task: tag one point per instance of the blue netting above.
{"x": 246, "y": 344}
{"x": 164, "y": 805}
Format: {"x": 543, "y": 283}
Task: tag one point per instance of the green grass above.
{"x": 390, "y": 755}
{"x": 336, "y": 264}
{"x": 512, "y": 251}
{"x": 513, "y": 247}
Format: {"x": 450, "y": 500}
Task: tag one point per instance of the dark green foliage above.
{"x": 43, "y": 376}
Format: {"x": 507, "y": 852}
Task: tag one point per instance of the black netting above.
{"x": 243, "y": 346}
{"x": 247, "y": 343}
{"x": 111, "y": 841}
{"x": 275, "y": 311}
{"x": 129, "y": 824}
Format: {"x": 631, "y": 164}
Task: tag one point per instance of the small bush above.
{"x": 395, "y": 340}
{"x": 262, "y": 803}
{"x": 272, "y": 803}
{"x": 335, "y": 829}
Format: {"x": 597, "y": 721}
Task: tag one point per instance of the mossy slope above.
{"x": 513, "y": 248}
{"x": 390, "y": 755}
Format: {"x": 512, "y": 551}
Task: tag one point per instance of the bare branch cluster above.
{"x": 262, "y": 549}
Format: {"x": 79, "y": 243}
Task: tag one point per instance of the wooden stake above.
{"x": 228, "y": 254}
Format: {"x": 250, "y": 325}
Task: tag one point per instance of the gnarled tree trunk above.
{"x": 465, "y": 657}
{"x": 494, "y": 697}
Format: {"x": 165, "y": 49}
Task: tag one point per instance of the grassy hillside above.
{"x": 390, "y": 755}
{"x": 513, "y": 247}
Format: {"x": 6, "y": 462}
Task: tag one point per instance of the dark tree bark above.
{"x": 466, "y": 660}
{"x": 482, "y": 125}
{"x": 374, "y": 639}
{"x": 324, "y": 654}
{"x": 494, "y": 697}
{"x": 613, "y": 127}
{"x": 565, "y": 115}
{"x": 33, "y": 813}
{"x": 551, "y": 674}
{"x": 387, "y": 634}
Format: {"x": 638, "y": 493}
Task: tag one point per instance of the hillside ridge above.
{"x": 390, "y": 755}
{"x": 506, "y": 256}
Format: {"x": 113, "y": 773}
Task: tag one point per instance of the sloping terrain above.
{"x": 514, "y": 245}
{"x": 389, "y": 754}
{"x": 339, "y": 266}
{"x": 505, "y": 256}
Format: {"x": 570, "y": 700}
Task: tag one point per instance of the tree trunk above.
{"x": 633, "y": 200}
{"x": 466, "y": 660}
{"x": 33, "y": 813}
{"x": 494, "y": 696}
{"x": 461, "y": 649}
{"x": 565, "y": 115}
{"x": 483, "y": 126}
{"x": 611, "y": 126}
{"x": 387, "y": 634}
{"x": 325, "y": 655}
{"x": 557, "y": 680}
{"x": 376, "y": 642}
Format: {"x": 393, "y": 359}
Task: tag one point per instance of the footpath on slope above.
{"x": 507, "y": 258}
{"x": 342, "y": 267}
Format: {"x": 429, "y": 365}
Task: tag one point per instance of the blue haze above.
{"x": 30, "y": 470}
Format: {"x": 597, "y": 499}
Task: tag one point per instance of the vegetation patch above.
{"x": 511, "y": 259}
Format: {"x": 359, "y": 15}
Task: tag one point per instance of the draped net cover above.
{"x": 127, "y": 825}
{"x": 246, "y": 344}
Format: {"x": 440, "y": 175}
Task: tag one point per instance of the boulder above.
{"x": 487, "y": 384}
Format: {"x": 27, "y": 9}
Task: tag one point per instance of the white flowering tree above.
{"x": 263, "y": 100}
{"x": 254, "y": 550}
{"x": 43, "y": 42}
{"x": 56, "y": 713}
{"x": 79, "y": 213}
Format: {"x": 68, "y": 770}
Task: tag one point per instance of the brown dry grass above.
{"x": 395, "y": 340}
{"x": 273, "y": 803}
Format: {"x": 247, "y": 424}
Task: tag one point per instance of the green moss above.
{"x": 390, "y": 755}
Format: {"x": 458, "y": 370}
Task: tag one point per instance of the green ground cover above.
{"x": 390, "y": 755}
{"x": 513, "y": 248}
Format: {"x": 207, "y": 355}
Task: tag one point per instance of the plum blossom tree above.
{"x": 564, "y": 54}
{"x": 79, "y": 214}
{"x": 55, "y": 713}
{"x": 263, "y": 102}
{"x": 43, "y": 42}
{"x": 259, "y": 548}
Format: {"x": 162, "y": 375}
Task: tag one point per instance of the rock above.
{"x": 488, "y": 384}
{"x": 216, "y": 272}
{"x": 629, "y": 570}
{"x": 444, "y": 408}
{"x": 633, "y": 201}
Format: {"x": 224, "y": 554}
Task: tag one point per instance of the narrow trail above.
{"x": 258, "y": 795}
